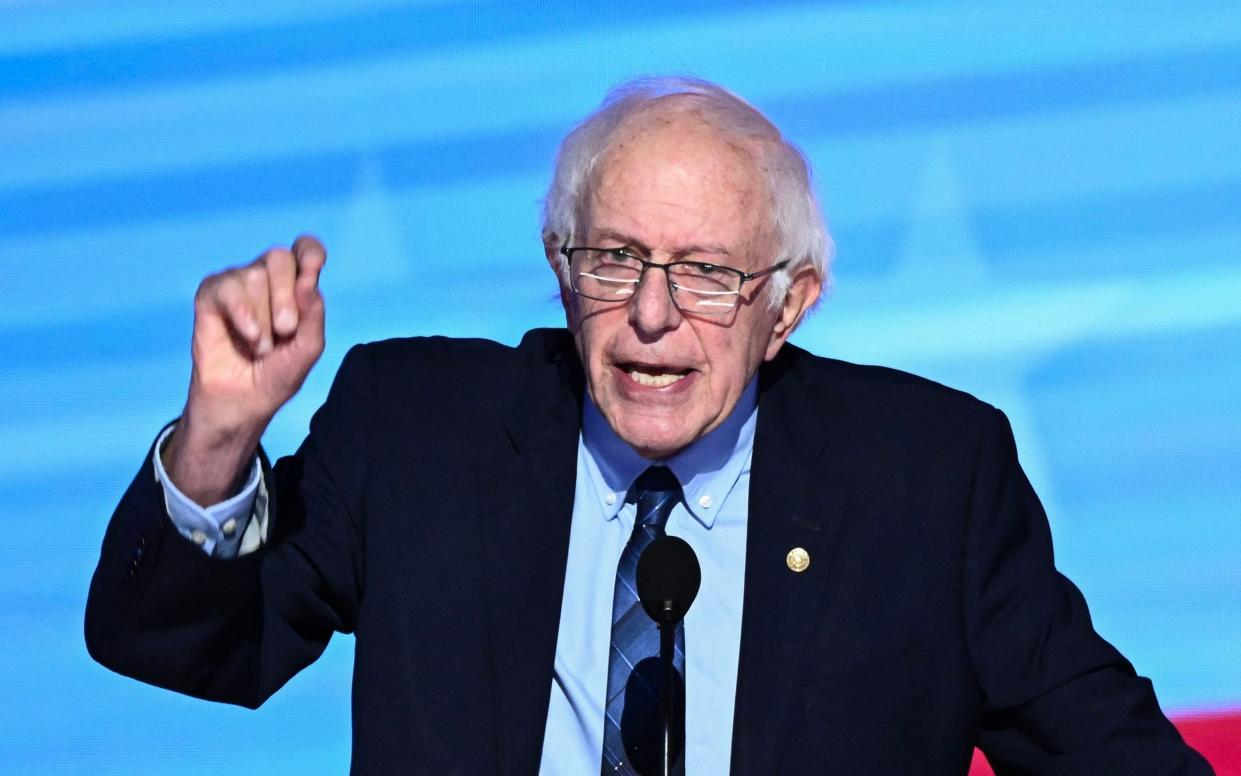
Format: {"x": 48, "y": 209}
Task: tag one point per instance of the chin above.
{"x": 656, "y": 445}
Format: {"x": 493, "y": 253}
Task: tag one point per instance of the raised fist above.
{"x": 258, "y": 330}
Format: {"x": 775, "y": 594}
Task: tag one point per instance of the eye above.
{"x": 707, "y": 269}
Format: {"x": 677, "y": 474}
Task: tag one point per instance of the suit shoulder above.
{"x": 422, "y": 351}
{"x": 454, "y": 366}
{"x": 880, "y": 391}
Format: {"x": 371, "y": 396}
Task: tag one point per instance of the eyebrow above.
{"x": 612, "y": 234}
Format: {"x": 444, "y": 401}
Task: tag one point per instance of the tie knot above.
{"x": 656, "y": 479}
{"x": 656, "y": 492}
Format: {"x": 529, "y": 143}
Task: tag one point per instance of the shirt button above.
{"x": 609, "y": 499}
{"x": 199, "y": 538}
{"x": 705, "y": 502}
{"x": 229, "y": 526}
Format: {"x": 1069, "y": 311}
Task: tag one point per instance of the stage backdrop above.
{"x": 1037, "y": 203}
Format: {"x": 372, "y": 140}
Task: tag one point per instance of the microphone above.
{"x": 668, "y": 579}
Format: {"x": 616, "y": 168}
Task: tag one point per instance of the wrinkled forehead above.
{"x": 666, "y": 162}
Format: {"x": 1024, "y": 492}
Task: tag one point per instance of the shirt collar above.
{"x": 707, "y": 470}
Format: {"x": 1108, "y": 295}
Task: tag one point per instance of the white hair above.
{"x": 796, "y": 218}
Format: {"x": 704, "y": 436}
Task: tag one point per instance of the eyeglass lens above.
{"x": 696, "y": 287}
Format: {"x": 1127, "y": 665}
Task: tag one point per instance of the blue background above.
{"x": 1038, "y": 204}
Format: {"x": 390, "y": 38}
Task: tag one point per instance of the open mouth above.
{"x": 652, "y": 376}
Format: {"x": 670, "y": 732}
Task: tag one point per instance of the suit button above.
{"x": 798, "y": 560}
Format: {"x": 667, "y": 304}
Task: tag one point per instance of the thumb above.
{"x": 311, "y": 256}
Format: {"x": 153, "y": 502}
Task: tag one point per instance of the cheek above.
{"x": 729, "y": 360}
{"x": 739, "y": 352}
{"x": 591, "y": 335}
{"x": 763, "y": 324}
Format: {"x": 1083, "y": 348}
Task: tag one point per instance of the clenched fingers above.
{"x": 281, "y": 280}
{"x": 224, "y": 296}
{"x": 258, "y": 292}
{"x": 266, "y": 302}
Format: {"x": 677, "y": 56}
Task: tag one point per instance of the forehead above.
{"x": 673, "y": 181}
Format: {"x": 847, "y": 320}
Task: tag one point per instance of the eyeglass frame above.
{"x": 628, "y": 253}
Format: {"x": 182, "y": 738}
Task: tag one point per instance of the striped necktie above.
{"x": 631, "y": 734}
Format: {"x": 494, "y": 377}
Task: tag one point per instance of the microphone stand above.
{"x": 667, "y": 646}
{"x": 668, "y": 579}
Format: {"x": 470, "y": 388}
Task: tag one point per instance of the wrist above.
{"x": 208, "y": 461}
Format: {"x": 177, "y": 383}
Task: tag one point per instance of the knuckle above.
{"x": 216, "y": 280}
{"x": 279, "y": 255}
{"x": 220, "y": 286}
{"x": 206, "y": 287}
{"x": 255, "y": 275}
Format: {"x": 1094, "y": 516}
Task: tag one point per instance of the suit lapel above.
{"x": 526, "y": 545}
{"x": 797, "y": 497}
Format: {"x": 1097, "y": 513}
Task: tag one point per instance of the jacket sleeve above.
{"x": 235, "y": 630}
{"x": 1058, "y": 698}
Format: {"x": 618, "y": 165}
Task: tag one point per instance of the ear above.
{"x": 551, "y": 250}
{"x": 803, "y": 292}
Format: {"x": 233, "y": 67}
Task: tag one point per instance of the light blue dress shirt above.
{"x": 225, "y": 530}
{"x": 714, "y": 473}
{"x": 715, "y": 476}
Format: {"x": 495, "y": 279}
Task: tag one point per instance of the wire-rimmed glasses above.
{"x": 699, "y": 288}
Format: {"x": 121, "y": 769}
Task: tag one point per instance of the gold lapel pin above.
{"x": 798, "y": 560}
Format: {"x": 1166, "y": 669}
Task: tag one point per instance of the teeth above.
{"x": 653, "y": 380}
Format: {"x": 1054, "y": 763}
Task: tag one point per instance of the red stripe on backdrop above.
{"x": 1217, "y": 736}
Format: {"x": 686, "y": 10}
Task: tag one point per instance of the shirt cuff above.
{"x": 219, "y": 528}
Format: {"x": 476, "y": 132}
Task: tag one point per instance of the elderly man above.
{"x": 878, "y": 590}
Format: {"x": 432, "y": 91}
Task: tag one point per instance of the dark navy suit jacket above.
{"x": 931, "y": 617}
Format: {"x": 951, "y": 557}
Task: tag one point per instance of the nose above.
{"x": 651, "y": 309}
